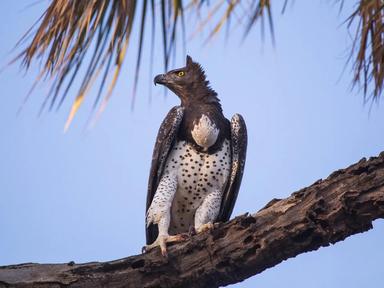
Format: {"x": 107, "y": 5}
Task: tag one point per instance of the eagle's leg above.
{"x": 207, "y": 212}
{"x": 160, "y": 213}
{"x": 163, "y": 238}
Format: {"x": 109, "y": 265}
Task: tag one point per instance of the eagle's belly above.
{"x": 197, "y": 174}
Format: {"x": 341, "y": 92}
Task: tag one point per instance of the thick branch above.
{"x": 328, "y": 211}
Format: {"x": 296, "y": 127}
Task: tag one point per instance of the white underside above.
{"x": 200, "y": 177}
{"x": 191, "y": 187}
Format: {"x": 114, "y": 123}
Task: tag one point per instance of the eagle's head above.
{"x": 188, "y": 83}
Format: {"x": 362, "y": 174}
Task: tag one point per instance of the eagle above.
{"x": 197, "y": 164}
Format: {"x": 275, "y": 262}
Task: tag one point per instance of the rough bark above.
{"x": 326, "y": 212}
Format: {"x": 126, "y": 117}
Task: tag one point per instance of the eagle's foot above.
{"x": 205, "y": 227}
{"x": 162, "y": 241}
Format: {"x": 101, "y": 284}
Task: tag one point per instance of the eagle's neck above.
{"x": 204, "y": 125}
{"x": 199, "y": 93}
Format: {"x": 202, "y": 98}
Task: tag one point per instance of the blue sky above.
{"x": 81, "y": 195}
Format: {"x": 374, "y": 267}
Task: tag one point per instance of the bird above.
{"x": 197, "y": 164}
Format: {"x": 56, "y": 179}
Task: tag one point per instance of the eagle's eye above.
{"x": 181, "y": 74}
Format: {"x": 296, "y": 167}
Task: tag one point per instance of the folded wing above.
{"x": 239, "y": 150}
{"x": 165, "y": 140}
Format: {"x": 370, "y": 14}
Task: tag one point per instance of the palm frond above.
{"x": 68, "y": 29}
{"x": 368, "y": 47}
{"x": 63, "y": 38}
{"x": 93, "y": 36}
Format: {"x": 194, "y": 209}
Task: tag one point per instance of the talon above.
{"x": 163, "y": 246}
{"x": 205, "y": 227}
{"x": 162, "y": 241}
{"x": 164, "y": 252}
{"x": 178, "y": 238}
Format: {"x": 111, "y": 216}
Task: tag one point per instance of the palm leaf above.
{"x": 368, "y": 47}
{"x": 67, "y": 30}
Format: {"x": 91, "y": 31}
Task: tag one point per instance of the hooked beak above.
{"x": 159, "y": 79}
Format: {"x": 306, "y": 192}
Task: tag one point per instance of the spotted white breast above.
{"x": 198, "y": 174}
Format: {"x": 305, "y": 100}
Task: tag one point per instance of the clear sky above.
{"x": 81, "y": 195}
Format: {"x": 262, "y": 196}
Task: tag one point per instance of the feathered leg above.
{"x": 207, "y": 212}
{"x": 160, "y": 213}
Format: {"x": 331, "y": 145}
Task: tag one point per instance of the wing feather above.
{"x": 164, "y": 142}
{"x": 239, "y": 151}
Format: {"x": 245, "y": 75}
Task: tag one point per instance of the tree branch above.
{"x": 324, "y": 213}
